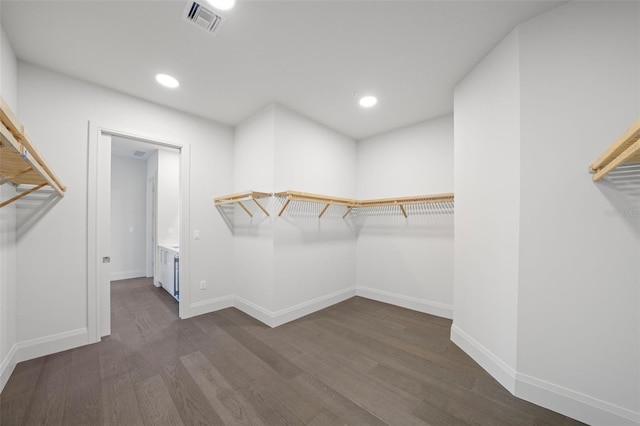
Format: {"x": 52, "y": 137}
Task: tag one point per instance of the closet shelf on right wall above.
{"x": 624, "y": 151}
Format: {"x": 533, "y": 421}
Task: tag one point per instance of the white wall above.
{"x": 487, "y": 217}
{"x": 168, "y": 193}
{"x": 128, "y": 217}
{"x": 8, "y": 272}
{"x": 314, "y": 258}
{"x": 408, "y": 262}
{"x": 56, "y": 110}
{"x": 8, "y": 72}
{"x": 253, "y": 237}
{"x": 285, "y": 267}
{"x": 579, "y": 281}
{"x": 571, "y": 284}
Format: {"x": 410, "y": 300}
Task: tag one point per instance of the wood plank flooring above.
{"x": 360, "y": 362}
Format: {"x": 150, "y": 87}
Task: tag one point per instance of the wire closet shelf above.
{"x": 307, "y": 204}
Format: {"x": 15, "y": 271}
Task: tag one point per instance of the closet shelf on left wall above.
{"x": 20, "y": 162}
{"x": 624, "y": 150}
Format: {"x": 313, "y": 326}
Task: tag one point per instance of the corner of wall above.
{"x": 7, "y": 365}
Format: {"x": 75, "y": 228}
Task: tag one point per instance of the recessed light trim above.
{"x": 222, "y": 4}
{"x": 368, "y": 101}
{"x": 167, "y": 81}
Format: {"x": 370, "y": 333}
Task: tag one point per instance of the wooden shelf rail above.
{"x": 625, "y": 150}
{"x": 315, "y": 198}
{"x": 328, "y": 201}
{"x": 403, "y": 201}
{"x": 20, "y": 162}
{"x": 351, "y": 204}
{"x": 243, "y": 196}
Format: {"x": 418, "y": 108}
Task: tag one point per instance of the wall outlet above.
{"x": 196, "y": 235}
{"x": 203, "y": 285}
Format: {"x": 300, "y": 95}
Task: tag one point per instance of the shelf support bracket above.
{"x": 24, "y": 194}
{"x": 286, "y": 203}
{"x": 260, "y": 205}
{"x": 324, "y": 210}
{"x": 347, "y": 212}
{"x": 245, "y": 209}
{"x": 404, "y": 212}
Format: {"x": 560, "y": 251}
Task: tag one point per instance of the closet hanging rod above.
{"x": 624, "y": 150}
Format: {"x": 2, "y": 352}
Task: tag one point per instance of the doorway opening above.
{"x": 145, "y": 214}
{"x": 137, "y": 219}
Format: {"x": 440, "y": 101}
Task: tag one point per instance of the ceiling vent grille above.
{"x": 205, "y": 19}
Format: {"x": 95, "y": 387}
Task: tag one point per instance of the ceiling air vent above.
{"x": 139, "y": 154}
{"x": 205, "y": 19}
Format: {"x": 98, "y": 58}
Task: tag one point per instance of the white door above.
{"x": 104, "y": 232}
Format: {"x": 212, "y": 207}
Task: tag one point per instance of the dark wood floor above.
{"x": 359, "y": 363}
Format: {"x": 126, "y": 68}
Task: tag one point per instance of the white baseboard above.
{"x": 302, "y": 309}
{"x": 209, "y": 305}
{"x": 30, "y": 349}
{"x": 125, "y": 275}
{"x": 557, "y": 398}
{"x": 502, "y": 372}
{"x": 255, "y": 311}
{"x": 573, "y": 404}
{"x": 283, "y": 316}
{"x": 7, "y": 366}
{"x": 421, "y": 305}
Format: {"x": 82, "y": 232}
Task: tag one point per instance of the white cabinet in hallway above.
{"x": 169, "y": 269}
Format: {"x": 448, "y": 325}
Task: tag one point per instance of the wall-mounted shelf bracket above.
{"x": 244, "y": 196}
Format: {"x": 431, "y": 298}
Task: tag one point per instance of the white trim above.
{"x": 125, "y": 275}
{"x": 257, "y": 312}
{"x": 305, "y": 308}
{"x": 283, "y": 316}
{"x": 210, "y": 305}
{"x": 7, "y": 366}
{"x": 421, "y": 305}
{"x": 573, "y": 404}
{"x": 93, "y": 277}
{"x": 549, "y": 395}
{"x": 497, "y": 368}
{"x": 97, "y": 129}
{"x": 34, "y": 348}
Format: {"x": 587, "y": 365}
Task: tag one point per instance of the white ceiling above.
{"x": 308, "y": 55}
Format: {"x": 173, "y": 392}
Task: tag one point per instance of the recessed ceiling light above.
{"x": 167, "y": 81}
{"x": 222, "y": 4}
{"x": 368, "y": 101}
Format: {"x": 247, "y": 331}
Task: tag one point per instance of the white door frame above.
{"x": 151, "y": 234}
{"x": 99, "y": 227}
